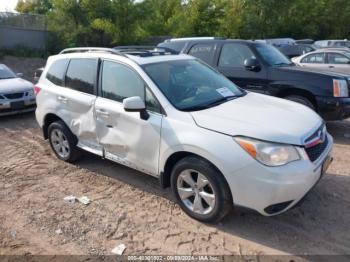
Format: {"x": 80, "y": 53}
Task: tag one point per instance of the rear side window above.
{"x": 205, "y": 52}
{"x": 81, "y": 75}
{"x": 334, "y": 58}
{"x": 56, "y": 72}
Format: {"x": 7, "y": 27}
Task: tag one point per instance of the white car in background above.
{"x": 177, "y": 119}
{"x": 16, "y": 94}
{"x": 332, "y": 59}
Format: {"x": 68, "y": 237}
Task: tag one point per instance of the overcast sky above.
{"x": 7, "y": 5}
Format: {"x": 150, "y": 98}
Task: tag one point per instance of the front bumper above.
{"x": 274, "y": 190}
{"x": 6, "y": 107}
{"x": 333, "y": 108}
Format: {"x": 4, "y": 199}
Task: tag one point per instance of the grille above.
{"x": 14, "y": 95}
{"x": 316, "y": 134}
{"x": 317, "y": 150}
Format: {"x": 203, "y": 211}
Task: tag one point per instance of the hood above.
{"x": 292, "y": 70}
{"x": 261, "y": 117}
{"x": 14, "y": 85}
{"x": 342, "y": 71}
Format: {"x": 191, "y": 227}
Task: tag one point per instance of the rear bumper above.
{"x": 333, "y": 108}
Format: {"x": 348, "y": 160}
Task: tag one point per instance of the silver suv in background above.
{"x": 16, "y": 94}
{"x": 177, "y": 119}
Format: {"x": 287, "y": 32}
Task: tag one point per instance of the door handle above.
{"x": 102, "y": 112}
{"x": 62, "y": 99}
{"x": 331, "y": 66}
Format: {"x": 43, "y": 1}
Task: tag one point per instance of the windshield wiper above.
{"x": 282, "y": 63}
{"x": 10, "y": 77}
{"x": 212, "y": 103}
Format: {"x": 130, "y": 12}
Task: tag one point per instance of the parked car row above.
{"x": 260, "y": 67}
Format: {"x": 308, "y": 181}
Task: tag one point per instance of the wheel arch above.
{"x": 48, "y": 120}
{"x": 175, "y": 157}
{"x": 299, "y": 92}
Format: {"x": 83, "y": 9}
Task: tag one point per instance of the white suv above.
{"x": 177, "y": 119}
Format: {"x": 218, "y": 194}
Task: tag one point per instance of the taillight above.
{"x": 37, "y": 89}
{"x": 340, "y": 88}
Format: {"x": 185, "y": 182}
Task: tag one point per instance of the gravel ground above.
{"x": 130, "y": 208}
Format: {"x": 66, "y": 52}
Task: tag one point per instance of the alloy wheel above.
{"x": 196, "y": 191}
{"x": 60, "y": 143}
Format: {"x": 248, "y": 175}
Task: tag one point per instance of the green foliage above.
{"x": 118, "y": 22}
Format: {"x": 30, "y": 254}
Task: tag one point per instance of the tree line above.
{"x": 121, "y": 22}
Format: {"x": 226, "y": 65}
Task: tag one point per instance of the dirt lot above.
{"x": 130, "y": 208}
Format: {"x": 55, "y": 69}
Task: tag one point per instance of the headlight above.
{"x": 30, "y": 93}
{"x": 270, "y": 154}
{"x": 340, "y": 88}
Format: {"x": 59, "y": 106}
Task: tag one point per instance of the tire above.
{"x": 301, "y": 100}
{"x": 196, "y": 167}
{"x": 63, "y": 142}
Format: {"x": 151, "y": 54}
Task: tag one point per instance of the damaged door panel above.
{"x": 79, "y": 100}
{"x": 124, "y": 136}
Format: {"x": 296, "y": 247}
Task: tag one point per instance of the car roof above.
{"x": 160, "y": 58}
{"x": 122, "y": 56}
{"x": 328, "y": 50}
{"x": 209, "y": 39}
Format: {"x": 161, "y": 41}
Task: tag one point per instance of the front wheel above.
{"x": 201, "y": 190}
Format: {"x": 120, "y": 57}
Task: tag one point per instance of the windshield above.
{"x": 272, "y": 55}
{"x": 6, "y": 73}
{"x": 190, "y": 85}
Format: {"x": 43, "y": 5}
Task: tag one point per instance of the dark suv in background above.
{"x": 261, "y": 68}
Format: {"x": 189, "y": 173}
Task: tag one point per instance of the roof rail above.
{"x": 194, "y": 38}
{"x": 91, "y": 49}
{"x": 134, "y": 47}
{"x": 143, "y": 51}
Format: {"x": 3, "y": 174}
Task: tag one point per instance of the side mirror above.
{"x": 19, "y": 74}
{"x": 136, "y": 104}
{"x": 252, "y": 64}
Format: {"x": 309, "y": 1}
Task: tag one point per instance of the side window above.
{"x": 151, "y": 102}
{"x": 55, "y": 74}
{"x": 81, "y": 75}
{"x": 205, "y": 52}
{"x": 119, "y": 82}
{"x": 234, "y": 55}
{"x": 334, "y": 58}
{"x": 314, "y": 59}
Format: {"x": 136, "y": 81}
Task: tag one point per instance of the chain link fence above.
{"x": 22, "y": 32}
{"x": 25, "y": 21}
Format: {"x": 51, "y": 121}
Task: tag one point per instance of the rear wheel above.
{"x": 63, "y": 142}
{"x": 301, "y": 100}
{"x": 201, "y": 190}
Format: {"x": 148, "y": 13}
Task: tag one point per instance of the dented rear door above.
{"x": 77, "y": 101}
